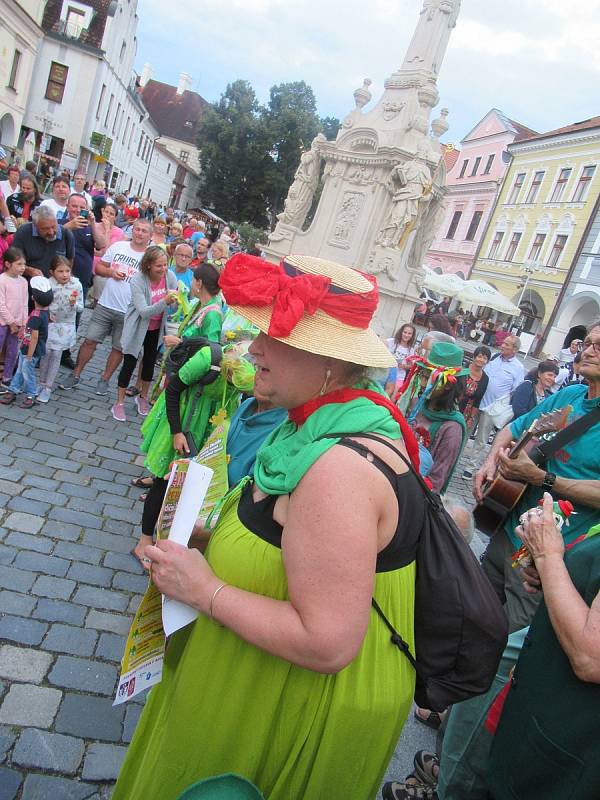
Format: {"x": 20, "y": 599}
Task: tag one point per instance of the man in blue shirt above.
{"x": 181, "y": 268}
{"x": 572, "y": 473}
{"x": 42, "y": 240}
{"x": 505, "y": 373}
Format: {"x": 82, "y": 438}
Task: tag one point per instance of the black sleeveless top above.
{"x": 257, "y": 516}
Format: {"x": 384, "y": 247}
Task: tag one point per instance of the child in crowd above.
{"x": 13, "y": 310}
{"x": 33, "y": 345}
{"x": 6, "y": 236}
{"x": 67, "y": 303}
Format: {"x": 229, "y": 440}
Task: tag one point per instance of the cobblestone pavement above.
{"x": 68, "y": 589}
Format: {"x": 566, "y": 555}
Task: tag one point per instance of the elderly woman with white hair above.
{"x": 288, "y": 676}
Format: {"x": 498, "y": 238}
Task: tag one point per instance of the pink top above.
{"x": 116, "y": 235}
{"x": 13, "y": 300}
{"x": 158, "y": 291}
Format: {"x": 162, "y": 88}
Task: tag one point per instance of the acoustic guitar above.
{"x": 501, "y": 495}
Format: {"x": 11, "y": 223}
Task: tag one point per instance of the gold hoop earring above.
{"x": 324, "y": 387}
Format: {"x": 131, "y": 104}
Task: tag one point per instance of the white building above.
{"x": 20, "y": 35}
{"x": 84, "y": 102}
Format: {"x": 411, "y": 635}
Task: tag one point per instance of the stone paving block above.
{"x": 90, "y": 717}
{"x": 22, "y": 630}
{"x": 78, "y": 479}
{"x": 26, "y": 523}
{"x": 25, "y": 454}
{"x": 68, "y": 465}
{"x": 78, "y": 553}
{"x": 67, "y": 639}
{"x": 75, "y": 490}
{"x": 103, "y": 621}
{"x": 97, "y": 472}
{"x": 10, "y": 780}
{"x": 59, "y": 611}
{"x": 7, "y": 739}
{"x": 44, "y": 435}
{"x": 46, "y": 496}
{"x": 62, "y": 530}
{"x": 132, "y": 715}
{"x": 131, "y": 583}
{"x": 38, "y": 562}
{"x": 6, "y": 461}
{"x": 116, "y": 455}
{"x": 109, "y": 488}
{"x": 54, "y": 449}
{"x": 58, "y": 588}
{"x": 20, "y": 503}
{"x": 75, "y": 517}
{"x": 96, "y": 597}
{"x": 24, "y": 664}
{"x": 52, "y": 751}
{"x": 110, "y": 647}
{"x": 126, "y": 563}
{"x": 7, "y": 554}
{"x": 122, "y": 528}
{"x": 25, "y": 541}
{"x": 134, "y": 603}
{"x": 97, "y": 576}
{"x": 10, "y": 487}
{"x": 14, "y": 603}
{"x": 15, "y": 475}
{"x": 84, "y": 446}
{"x": 35, "y": 468}
{"x": 85, "y": 504}
{"x": 37, "y": 482}
{"x": 17, "y": 579}
{"x": 108, "y": 541}
{"x": 30, "y": 706}
{"x": 115, "y": 500}
{"x": 133, "y": 513}
{"x": 103, "y": 762}
{"x": 85, "y": 675}
{"x": 15, "y": 425}
{"x": 48, "y": 787}
{"x": 121, "y": 467}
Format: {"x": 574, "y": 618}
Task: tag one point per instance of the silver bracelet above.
{"x": 212, "y": 599}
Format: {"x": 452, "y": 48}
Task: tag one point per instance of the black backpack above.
{"x": 460, "y": 626}
{"x": 187, "y": 348}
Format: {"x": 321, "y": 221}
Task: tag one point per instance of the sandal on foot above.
{"x": 27, "y": 402}
{"x": 433, "y": 719}
{"x": 142, "y": 483}
{"x": 427, "y": 767}
{"x": 132, "y": 391}
{"x": 142, "y": 497}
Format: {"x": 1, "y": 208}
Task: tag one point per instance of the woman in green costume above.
{"x": 288, "y": 677}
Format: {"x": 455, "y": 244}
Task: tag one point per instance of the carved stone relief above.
{"x": 346, "y": 218}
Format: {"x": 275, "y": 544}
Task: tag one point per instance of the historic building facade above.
{"x": 20, "y": 36}
{"x": 534, "y": 236}
{"x": 472, "y": 187}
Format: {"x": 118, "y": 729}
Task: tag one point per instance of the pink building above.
{"x": 473, "y": 184}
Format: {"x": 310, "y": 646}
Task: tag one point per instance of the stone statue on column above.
{"x": 301, "y": 192}
{"x": 430, "y": 41}
{"x": 409, "y": 184}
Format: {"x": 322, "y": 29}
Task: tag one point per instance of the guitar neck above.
{"x": 520, "y": 444}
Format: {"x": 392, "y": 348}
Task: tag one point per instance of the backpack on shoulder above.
{"x": 460, "y": 626}
{"x": 186, "y": 349}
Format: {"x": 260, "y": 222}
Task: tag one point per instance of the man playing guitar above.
{"x": 572, "y": 473}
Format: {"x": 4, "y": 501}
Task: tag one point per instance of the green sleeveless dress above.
{"x": 225, "y": 706}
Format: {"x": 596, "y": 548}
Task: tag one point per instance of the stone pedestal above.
{"x": 383, "y": 178}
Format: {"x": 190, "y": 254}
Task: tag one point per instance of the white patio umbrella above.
{"x": 447, "y": 283}
{"x": 482, "y": 294}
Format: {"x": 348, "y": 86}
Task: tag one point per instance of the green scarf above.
{"x": 289, "y": 452}
{"x": 438, "y": 418}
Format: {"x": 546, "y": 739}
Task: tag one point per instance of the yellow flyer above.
{"x": 214, "y": 456}
{"x": 156, "y": 617}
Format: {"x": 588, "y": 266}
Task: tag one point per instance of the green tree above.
{"x": 329, "y": 127}
{"x": 234, "y": 156}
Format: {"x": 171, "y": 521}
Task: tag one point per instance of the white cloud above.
{"x": 537, "y": 60}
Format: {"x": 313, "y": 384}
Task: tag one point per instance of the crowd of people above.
{"x": 288, "y": 677}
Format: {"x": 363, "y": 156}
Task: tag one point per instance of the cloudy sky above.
{"x": 536, "y": 60}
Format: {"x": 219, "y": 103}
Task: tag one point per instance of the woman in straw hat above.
{"x": 288, "y": 677}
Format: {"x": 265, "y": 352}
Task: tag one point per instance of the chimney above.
{"x": 146, "y": 75}
{"x": 185, "y": 83}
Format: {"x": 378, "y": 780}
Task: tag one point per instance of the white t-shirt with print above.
{"x": 117, "y": 294}
{"x": 59, "y": 211}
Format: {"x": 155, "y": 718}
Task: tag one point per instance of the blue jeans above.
{"x": 24, "y": 379}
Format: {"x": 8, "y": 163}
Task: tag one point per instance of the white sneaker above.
{"x": 44, "y": 395}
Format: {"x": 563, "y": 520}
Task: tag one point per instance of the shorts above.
{"x": 104, "y": 322}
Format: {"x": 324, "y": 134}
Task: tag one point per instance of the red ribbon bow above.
{"x": 252, "y": 281}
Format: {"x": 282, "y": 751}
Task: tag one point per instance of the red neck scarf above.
{"x": 300, "y": 414}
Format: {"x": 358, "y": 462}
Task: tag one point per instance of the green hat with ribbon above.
{"x": 445, "y": 358}
{"x": 222, "y": 787}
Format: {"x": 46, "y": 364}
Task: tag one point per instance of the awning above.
{"x": 482, "y": 294}
{"x": 447, "y": 283}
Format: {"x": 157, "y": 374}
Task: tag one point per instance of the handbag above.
{"x": 500, "y": 411}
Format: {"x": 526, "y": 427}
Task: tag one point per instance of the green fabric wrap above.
{"x": 289, "y": 452}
